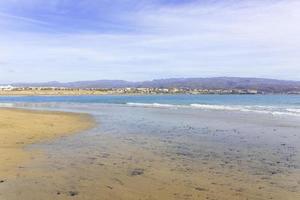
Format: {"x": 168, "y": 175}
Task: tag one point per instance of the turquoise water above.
{"x": 274, "y": 104}
{"x": 275, "y": 100}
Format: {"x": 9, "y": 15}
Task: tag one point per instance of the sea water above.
{"x": 270, "y": 104}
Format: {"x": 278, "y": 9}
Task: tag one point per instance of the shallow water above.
{"x": 164, "y": 153}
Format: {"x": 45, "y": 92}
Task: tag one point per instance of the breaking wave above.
{"x": 6, "y": 105}
{"x": 272, "y": 110}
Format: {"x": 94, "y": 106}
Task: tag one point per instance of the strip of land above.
{"x": 57, "y": 91}
{"x": 19, "y": 128}
{"x": 53, "y": 92}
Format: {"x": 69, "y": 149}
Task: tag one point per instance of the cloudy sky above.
{"x": 67, "y": 40}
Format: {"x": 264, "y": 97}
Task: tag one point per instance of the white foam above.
{"x": 271, "y": 110}
{"x": 214, "y": 107}
{"x": 155, "y": 105}
{"x": 6, "y": 105}
{"x": 293, "y": 110}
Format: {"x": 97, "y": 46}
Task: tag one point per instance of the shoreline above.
{"x": 164, "y": 154}
{"x": 103, "y": 93}
{"x": 21, "y": 127}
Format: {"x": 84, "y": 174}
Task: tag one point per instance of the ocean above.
{"x": 269, "y": 104}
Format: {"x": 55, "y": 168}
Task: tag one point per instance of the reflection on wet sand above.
{"x": 138, "y": 153}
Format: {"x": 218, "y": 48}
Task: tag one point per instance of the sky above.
{"x": 135, "y": 40}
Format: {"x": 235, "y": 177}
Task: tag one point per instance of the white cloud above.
{"x": 253, "y": 38}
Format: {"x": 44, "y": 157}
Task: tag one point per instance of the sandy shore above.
{"x": 19, "y": 128}
{"x": 170, "y": 154}
{"x": 52, "y": 93}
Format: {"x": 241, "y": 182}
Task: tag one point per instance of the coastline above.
{"x": 85, "y": 92}
{"x": 20, "y": 127}
{"x": 151, "y": 153}
{"x": 52, "y": 93}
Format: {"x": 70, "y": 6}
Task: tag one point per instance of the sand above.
{"x": 75, "y": 92}
{"x": 153, "y": 154}
{"x": 19, "y": 128}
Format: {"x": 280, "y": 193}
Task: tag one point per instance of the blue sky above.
{"x": 67, "y": 40}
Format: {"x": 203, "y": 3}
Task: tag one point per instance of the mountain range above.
{"x": 261, "y": 84}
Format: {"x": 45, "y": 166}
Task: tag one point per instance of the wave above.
{"x": 6, "y": 105}
{"x": 155, "y": 105}
{"x": 295, "y": 110}
{"x": 214, "y": 107}
{"x": 272, "y": 110}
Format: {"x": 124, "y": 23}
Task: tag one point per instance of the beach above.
{"x": 150, "y": 100}
{"x": 140, "y": 152}
{"x": 69, "y": 92}
{"x": 19, "y": 128}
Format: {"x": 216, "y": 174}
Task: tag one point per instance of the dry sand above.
{"x": 19, "y": 128}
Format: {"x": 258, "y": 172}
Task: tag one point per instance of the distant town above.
{"x": 193, "y": 86}
{"x": 12, "y": 90}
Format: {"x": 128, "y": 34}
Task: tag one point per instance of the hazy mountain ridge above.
{"x": 268, "y": 85}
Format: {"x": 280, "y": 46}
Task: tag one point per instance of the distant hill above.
{"x": 267, "y": 85}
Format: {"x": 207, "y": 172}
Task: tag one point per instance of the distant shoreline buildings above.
{"x": 6, "y": 88}
{"x": 11, "y": 90}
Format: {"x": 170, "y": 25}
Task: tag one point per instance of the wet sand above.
{"x": 19, "y": 128}
{"x": 143, "y": 153}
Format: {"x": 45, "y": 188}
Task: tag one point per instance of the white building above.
{"x": 6, "y": 88}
